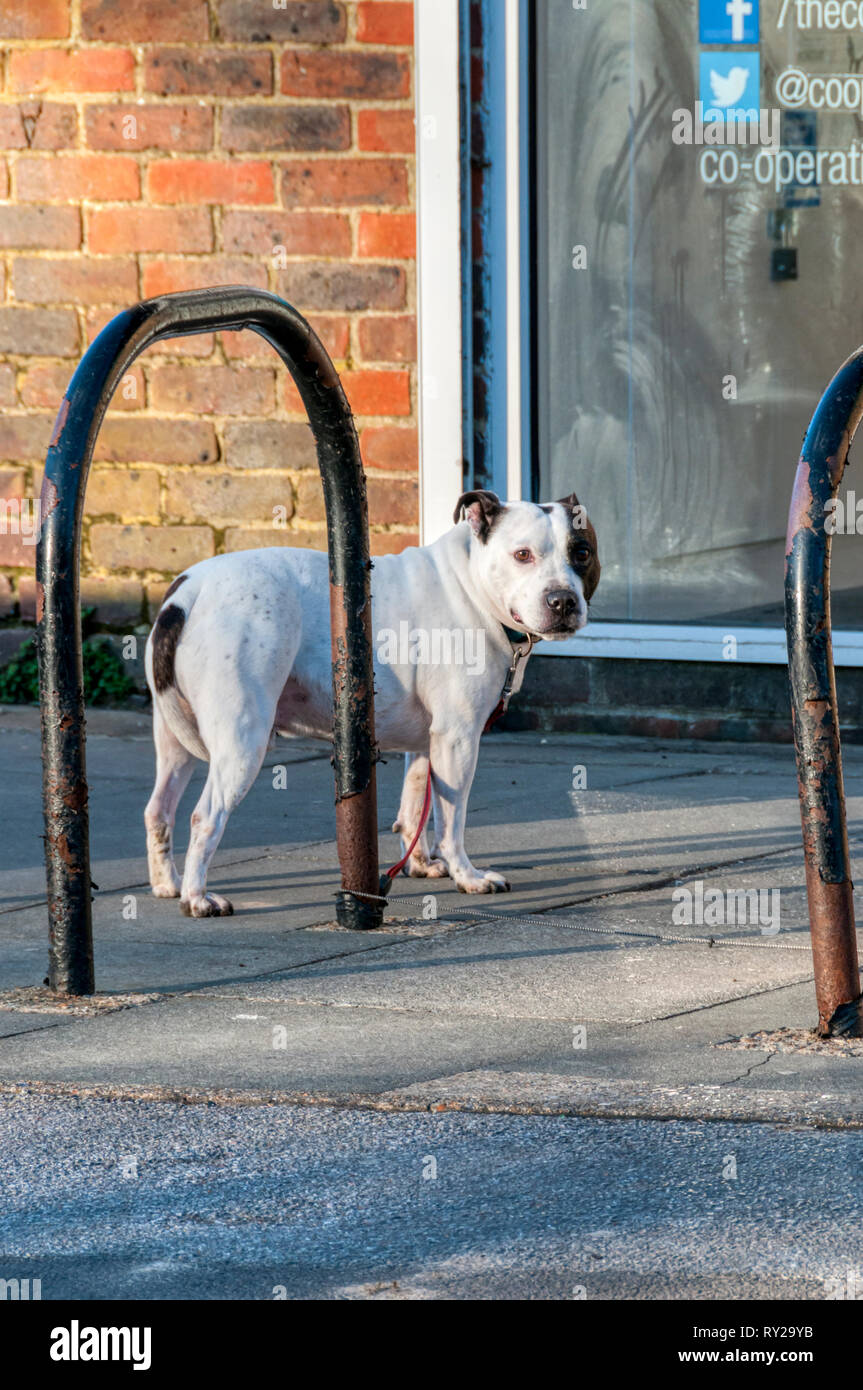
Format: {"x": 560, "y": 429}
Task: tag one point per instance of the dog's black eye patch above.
{"x": 166, "y": 635}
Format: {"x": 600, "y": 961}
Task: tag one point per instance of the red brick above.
{"x": 246, "y": 346}
{"x": 17, "y": 550}
{"x": 250, "y": 21}
{"x": 75, "y": 281}
{"x": 174, "y": 128}
{"x": 345, "y": 183}
{"x": 386, "y": 22}
{"x": 390, "y": 132}
{"x": 228, "y": 497}
{"x": 369, "y": 392}
{"x": 280, "y": 128}
{"x": 12, "y": 484}
{"x": 123, "y": 439}
{"x": 4, "y": 179}
{"x": 212, "y": 390}
{"x": 115, "y": 600}
{"x": 37, "y": 125}
{"x": 310, "y": 498}
{"x": 393, "y": 501}
{"x": 24, "y": 437}
{"x": 342, "y": 285}
{"x": 387, "y": 235}
{"x": 389, "y": 338}
{"x": 391, "y": 542}
{"x": 45, "y": 383}
{"x": 105, "y": 177}
{"x": 345, "y": 75}
{"x": 38, "y": 332}
{"x": 269, "y": 444}
{"x": 34, "y": 19}
{"x": 394, "y": 447}
{"x": 207, "y": 72}
{"x": 210, "y": 181}
{"x": 333, "y": 332}
{"x": 122, "y": 492}
{"x": 167, "y": 549}
{"x": 300, "y": 233}
{"x": 81, "y": 70}
{"x": 43, "y": 229}
{"x": 148, "y": 229}
{"x": 165, "y": 276}
{"x": 144, "y": 21}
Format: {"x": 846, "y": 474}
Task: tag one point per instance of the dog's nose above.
{"x": 562, "y": 602}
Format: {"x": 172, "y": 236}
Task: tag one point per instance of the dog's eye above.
{"x": 524, "y": 557}
{"x": 582, "y": 554}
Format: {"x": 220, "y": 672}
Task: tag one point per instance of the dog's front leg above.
{"x": 421, "y": 863}
{"x": 453, "y": 760}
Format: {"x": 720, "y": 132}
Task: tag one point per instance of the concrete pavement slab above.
{"x": 194, "y": 1043}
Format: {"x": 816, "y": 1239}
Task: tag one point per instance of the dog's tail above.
{"x": 160, "y": 664}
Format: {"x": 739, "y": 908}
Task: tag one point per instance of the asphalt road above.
{"x": 124, "y": 1199}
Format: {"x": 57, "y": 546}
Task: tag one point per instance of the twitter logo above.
{"x": 730, "y": 83}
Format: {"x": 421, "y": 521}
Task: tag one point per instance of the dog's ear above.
{"x": 583, "y": 534}
{"x": 571, "y": 504}
{"x": 480, "y": 509}
{"x": 577, "y": 517}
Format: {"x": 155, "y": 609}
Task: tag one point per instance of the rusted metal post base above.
{"x": 813, "y": 703}
{"x": 356, "y": 828}
{"x": 67, "y": 850}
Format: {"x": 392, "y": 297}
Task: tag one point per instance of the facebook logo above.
{"x": 728, "y": 21}
{"x": 730, "y": 85}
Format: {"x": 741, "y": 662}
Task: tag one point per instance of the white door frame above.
{"x": 439, "y": 303}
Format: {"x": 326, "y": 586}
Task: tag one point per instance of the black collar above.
{"x": 516, "y": 638}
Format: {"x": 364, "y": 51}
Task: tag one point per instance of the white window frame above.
{"x": 439, "y": 305}
{"x": 439, "y": 301}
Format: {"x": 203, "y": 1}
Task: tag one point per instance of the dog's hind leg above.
{"x": 231, "y": 776}
{"x": 421, "y": 863}
{"x": 174, "y": 765}
{"x": 237, "y": 746}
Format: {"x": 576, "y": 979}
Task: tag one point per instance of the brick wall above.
{"x": 155, "y": 145}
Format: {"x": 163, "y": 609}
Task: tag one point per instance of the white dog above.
{"x": 241, "y": 649}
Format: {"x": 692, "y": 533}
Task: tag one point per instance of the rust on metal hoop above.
{"x": 814, "y": 708}
{"x": 356, "y": 787}
{"x": 67, "y": 850}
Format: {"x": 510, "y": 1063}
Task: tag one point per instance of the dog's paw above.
{"x": 166, "y": 890}
{"x": 421, "y": 867}
{"x": 482, "y": 881}
{"x": 207, "y": 905}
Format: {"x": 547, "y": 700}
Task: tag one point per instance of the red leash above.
{"x": 397, "y": 868}
{"x": 497, "y": 713}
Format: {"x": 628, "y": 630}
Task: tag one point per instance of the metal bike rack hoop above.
{"x": 813, "y": 702}
{"x": 81, "y": 413}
